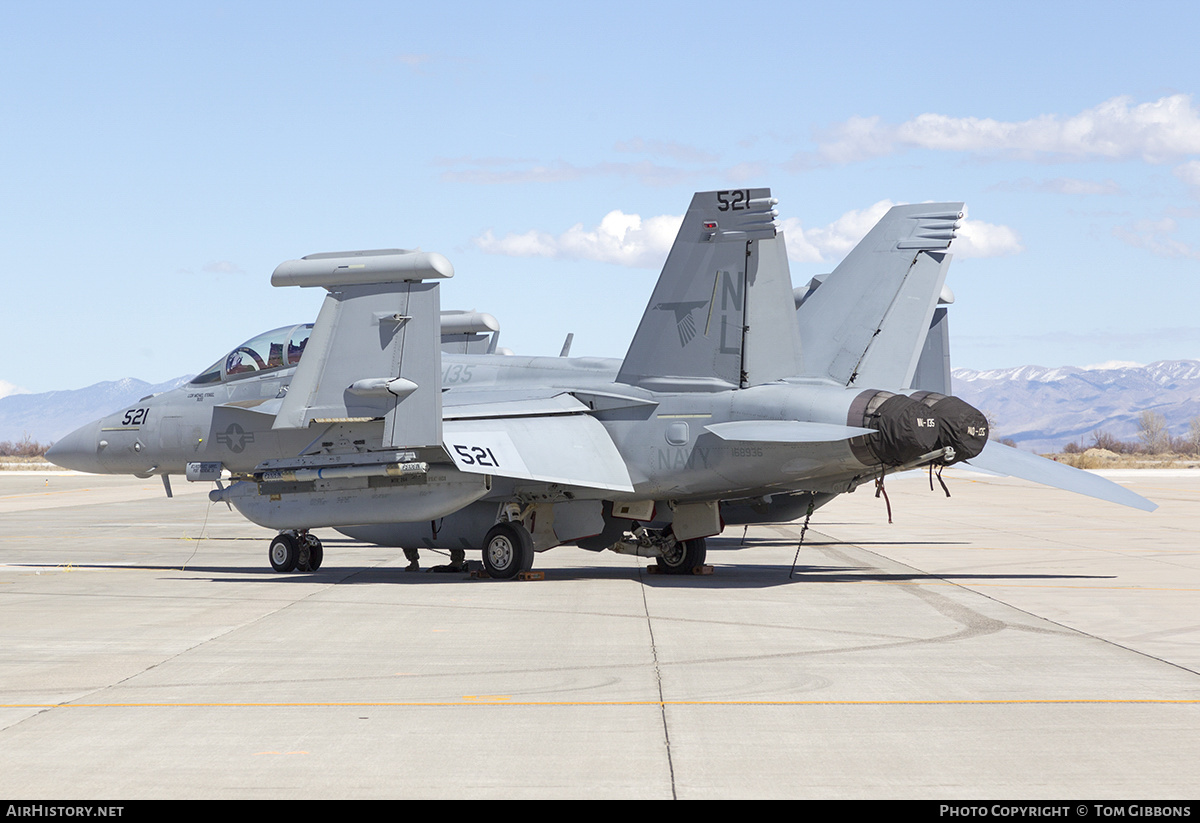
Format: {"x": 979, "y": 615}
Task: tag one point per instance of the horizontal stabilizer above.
{"x": 1006, "y": 460}
{"x": 785, "y": 431}
{"x": 573, "y": 450}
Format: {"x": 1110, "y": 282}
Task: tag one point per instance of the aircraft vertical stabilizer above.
{"x": 933, "y": 369}
{"x": 721, "y": 313}
{"x": 375, "y": 349}
{"x": 866, "y": 324}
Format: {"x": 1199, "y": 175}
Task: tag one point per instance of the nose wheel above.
{"x": 295, "y": 551}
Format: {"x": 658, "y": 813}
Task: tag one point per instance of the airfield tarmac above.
{"x": 1012, "y": 641}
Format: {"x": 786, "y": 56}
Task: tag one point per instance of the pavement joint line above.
{"x": 1084, "y": 701}
{"x": 965, "y": 586}
{"x": 658, "y": 684}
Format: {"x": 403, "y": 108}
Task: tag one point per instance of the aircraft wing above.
{"x": 570, "y": 449}
{"x": 1006, "y": 460}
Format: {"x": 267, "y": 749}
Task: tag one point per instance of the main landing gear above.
{"x": 296, "y": 551}
{"x": 507, "y": 550}
{"x": 681, "y": 557}
{"x": 674, "y": 556}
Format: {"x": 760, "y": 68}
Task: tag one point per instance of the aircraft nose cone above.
{"x": 79, "y": 450}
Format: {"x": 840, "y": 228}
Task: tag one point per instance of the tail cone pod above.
{"x": 909, "y": 427}
{"x": 907, "y": 430}
{"x": 960, "y": 425}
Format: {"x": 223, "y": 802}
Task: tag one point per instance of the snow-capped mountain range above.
{"x": 1045, "y": 408}
{"x": 1040, "y": 408}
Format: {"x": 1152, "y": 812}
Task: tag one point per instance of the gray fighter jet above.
{"x": 740, "y": 400}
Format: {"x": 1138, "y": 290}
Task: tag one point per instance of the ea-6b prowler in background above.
{"x": 739, "y": 401}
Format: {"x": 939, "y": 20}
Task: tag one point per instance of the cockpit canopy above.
{"x": 277, "y": 349}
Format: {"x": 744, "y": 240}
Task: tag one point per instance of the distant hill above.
{"x": 1044, "y": 409}
{"x": 48, "y": 416}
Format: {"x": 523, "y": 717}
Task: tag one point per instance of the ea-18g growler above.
{"x": 740, "y": 400}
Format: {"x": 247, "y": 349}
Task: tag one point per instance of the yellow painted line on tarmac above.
{"x": 948, "y": 580}
{"x": 1172, "y": 489}
{"x": 467, "y": 701}
{"x": 41, "y": 494}
{"x": 45, "y": 568}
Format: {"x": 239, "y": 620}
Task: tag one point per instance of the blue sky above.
{"x": 158, "y": 161}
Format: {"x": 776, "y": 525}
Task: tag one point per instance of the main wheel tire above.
{"x": 507, "y": 550}
{"x": 311, "y": 554}
{"x": 284, "y": 552}
{"x": 683, "y": 557}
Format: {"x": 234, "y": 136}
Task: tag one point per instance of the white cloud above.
{"x": 646, "y": 172}
{"x": 553, "y": 173}
{"x": 222, "y": 267}
{"x": 7, "y": 389}
{"x": 799, "y": 247}
{"x": 1118, "y": 128}
{"x": 1155, "y": 237}
{"x": 1189, "y": 173}
{"x": 684, "y": 165}
{"x": 834, "y": 241}
{"x": 1071, "y": 185}
{"x": 746, "y": 174}
{"x": 859, "y": 138}
{"x": 978, "y": 239}
{"x": 624, "y": 239}
{"x": 628, "y": 240}
{"x": 665, "y": 148}
{"x": 1061, "y": 185}
{"x": 1113, "y": 364}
